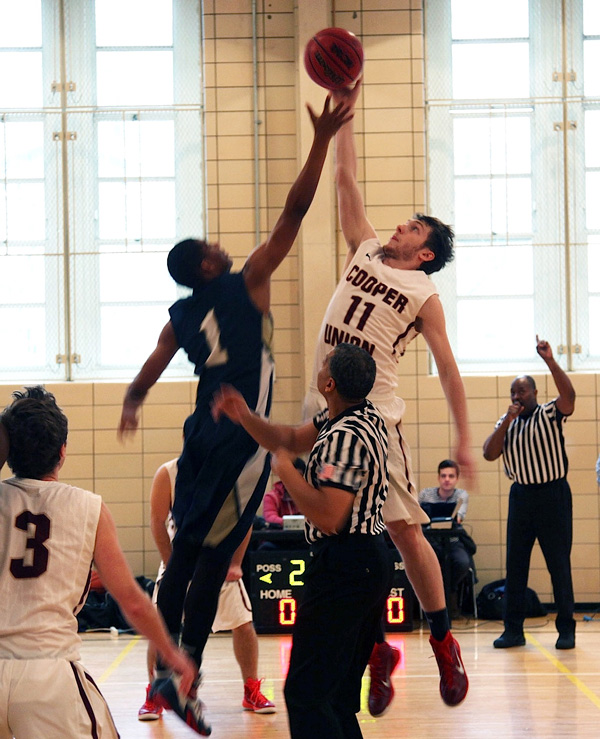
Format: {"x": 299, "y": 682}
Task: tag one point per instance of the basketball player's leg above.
{"x": 228, "y": 530}
{"x": 404, "y": 516}
{"x": 203, "y": 547}
{"x": 421, "y": 564}
{"x": 201, "y": 600}
{"x": 234, "y": 614}
{"x": 150, "y": 710}
{"x": 237, "y": 613}
{"x": 245, "y": 649}
{"x": 151, "y": 650}
{"x": 173, "y": 588}
{"x": 402, "y": 513}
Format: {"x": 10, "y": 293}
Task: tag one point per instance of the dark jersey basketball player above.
{"x": 224, "y": 327}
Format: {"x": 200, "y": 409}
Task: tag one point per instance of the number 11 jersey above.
{"x": 376, "y": 307}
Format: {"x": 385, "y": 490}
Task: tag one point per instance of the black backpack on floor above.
{"x": 490, "y": 602}
{"x": 101, "y": 611}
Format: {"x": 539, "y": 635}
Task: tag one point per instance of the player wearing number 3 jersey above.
{"x": 50, "y": 532}
{"x": 224, "y": 327}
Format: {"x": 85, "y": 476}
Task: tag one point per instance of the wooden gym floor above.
{"x": 532, "y": 691}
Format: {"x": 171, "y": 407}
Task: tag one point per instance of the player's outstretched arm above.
{"x": 432, "y": 324}
{"x": 265, "y": 259}
{"x": 353, "y": 217}
{"x": 137, "y": 607}
{"x": 152, "y": 369}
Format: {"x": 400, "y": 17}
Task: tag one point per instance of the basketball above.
{"x": 334, "y": 58}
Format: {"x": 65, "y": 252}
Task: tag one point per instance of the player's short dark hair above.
{"x": 444, "y": 464}
{"x": 353, "y": 370}
{"x": 37, "y": 430}
{"x": 184, "y": 260}
{"x": 440, "y": 241}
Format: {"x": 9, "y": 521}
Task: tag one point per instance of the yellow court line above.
{"x": 565, "y": 670}
{"x": 119, "y": 658}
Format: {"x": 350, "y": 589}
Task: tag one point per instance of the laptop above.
{"x": 441, "y": 515}
{"x": 293, "y": 523}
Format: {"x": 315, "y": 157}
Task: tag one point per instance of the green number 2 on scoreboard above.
{"x": 301, "y": 567}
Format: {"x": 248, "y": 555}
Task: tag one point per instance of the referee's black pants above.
{"x": 542, "y": 512}
{"x": 347, "y": 582}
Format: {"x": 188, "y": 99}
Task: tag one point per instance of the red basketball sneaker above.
{"x": 454, "y": 682}
{"x": 382, "y": 663}
{"x": 150, "y": 711}
{"x": 254, "y": 700}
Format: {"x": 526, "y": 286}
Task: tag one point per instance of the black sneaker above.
{"x": 510, "y": 639}
{"x": 165, "y": 692}
{"x": 566, "y": 641}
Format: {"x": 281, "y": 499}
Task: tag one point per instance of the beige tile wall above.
{"x": 390, "y": 141}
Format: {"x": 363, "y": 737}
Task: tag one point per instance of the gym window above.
{"x": 513, "y": 111}
{"x": 101, "y": 171}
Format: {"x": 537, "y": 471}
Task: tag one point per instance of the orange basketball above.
{"x": 334, "y": 58}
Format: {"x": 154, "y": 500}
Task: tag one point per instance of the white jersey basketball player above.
{"x": 234, "y": 611}
{"x": 50, "y": 533}
{"x": 384, "y": 300}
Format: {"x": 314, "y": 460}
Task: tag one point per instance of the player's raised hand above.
{"x": 348, "y": 95}
{"x": 331, "y": 120}
{"x": 129, "y": 420}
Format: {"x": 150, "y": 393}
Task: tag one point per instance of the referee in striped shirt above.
{"x": 349, "y": 576}
{"x": 530, "y": 438}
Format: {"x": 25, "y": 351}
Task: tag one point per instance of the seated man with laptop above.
{"x": 446, "y": 506}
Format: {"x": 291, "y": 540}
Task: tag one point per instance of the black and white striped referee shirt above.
{"x": 350, "y": 453}
{"x": 534, "y": 446}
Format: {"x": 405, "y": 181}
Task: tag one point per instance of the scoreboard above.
{"x": 277, "y": 579}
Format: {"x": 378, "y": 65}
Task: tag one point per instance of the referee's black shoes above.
{"x": 566, "y": 639}
{"x": 510, "y": 639}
